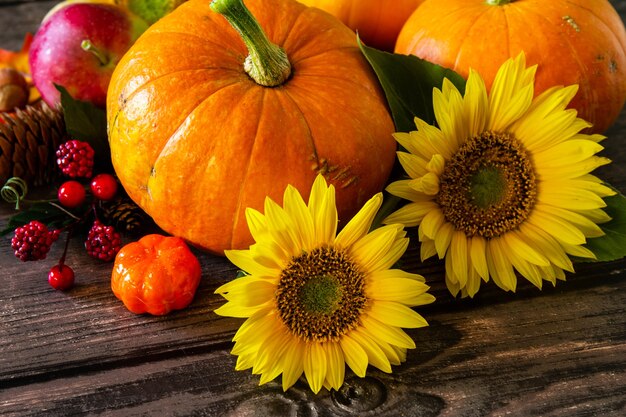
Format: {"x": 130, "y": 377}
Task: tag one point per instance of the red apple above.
{"x": 78, "y": 47}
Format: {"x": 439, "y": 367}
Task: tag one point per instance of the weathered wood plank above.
{"x": 20, "y": 17}
{"x": 553, "y": 354}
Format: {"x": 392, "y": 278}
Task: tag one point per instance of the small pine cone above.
{"x": 29, "y": 139}
{"x": 33, "y": 240}
{"x": 103, "y": 242}
{"x": 75, "y": 159}
{"x": 125, "y": 215}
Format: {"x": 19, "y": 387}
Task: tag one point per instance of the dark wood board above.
{"x": 556, "y": 352}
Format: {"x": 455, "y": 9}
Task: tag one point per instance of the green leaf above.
{"x": 46, "y": 213}
{"x": 612, "y": 245}
{"x": 408, "y": 83}
{"x": 241, "y": 274}
{"x": 84, "y": 121}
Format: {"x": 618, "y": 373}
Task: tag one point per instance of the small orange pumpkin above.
{"x": 156, "y": 274}
{"x": 195, "y": 140}
{"x": 378, "y": 22}
{"x": 573, "y": 41}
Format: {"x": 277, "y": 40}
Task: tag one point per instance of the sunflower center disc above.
{"x": 488, "y": 187}
{"x": 320, "y": 295}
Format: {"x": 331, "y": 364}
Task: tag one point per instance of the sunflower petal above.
{"x": 396, "y": 314}
{"x": 243, "y": 260}
{"x": 390, "y": 334}
{"x": 411, "y": 214}
{"x": 443, "y": 239}
{"x": 355, "y": 356}
{"x": 414, "y": 165}
{"x": 478, "y": 249}
{"x": 294, "y": 354}
{"x": 335, "y": 372}
{"x": 296, "y": 208}
{"x": 401, "y": 290}
{"x": 476, "y": 102}
{"x": 315, "y": 366}
{"x": 511, "y": 93}
{"x": 375, "y": 354}
{"x": 372, "y": 249}
{"x": 358, "y": 226}
{"x": 500, "y": 269}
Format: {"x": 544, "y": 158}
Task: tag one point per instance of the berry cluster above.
{"x": 32, "y": 241}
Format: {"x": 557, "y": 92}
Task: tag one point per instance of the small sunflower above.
{"x": 503, "y": 185}
{"x": 314, "y": 300}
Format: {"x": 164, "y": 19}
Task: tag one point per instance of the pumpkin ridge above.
{"x": 170, "y": 136}
{"x": 608, "y": 28}
{"x": 245, "y": 176}
{"x": 508, "y": 30}
{"x": 288, "y": 32}
{"x": 469, "y": 29}
{"x": 193, "y": 109}
{"x": 147, "y": 83}
{"x": 193, "y": 35}
{"x": 582, "y": 89}
{"x": 302, "y": 115}
{"x": 341, "y": 48}
{"x": 326, "y": 77}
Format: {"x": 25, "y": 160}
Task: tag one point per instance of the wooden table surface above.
{"x": 556, "y": 352}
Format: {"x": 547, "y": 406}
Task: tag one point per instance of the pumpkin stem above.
{"x": 499, "y": 2}
{"x": 266, "y": 63}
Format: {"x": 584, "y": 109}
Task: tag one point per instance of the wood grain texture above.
{"x": 20, "y": 17}
{"x": 558, "y": 352}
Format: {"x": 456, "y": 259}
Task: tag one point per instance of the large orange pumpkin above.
{"x": 574, "y": 42}
{"x": 378, "y": 22}
{"x": 195, "y": 140}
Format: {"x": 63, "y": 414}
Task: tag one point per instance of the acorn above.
{"x": 14, "y": 90}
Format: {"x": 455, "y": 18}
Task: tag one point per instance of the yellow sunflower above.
{"x": 503, "y": 185}
{"x": 314, "y": 300}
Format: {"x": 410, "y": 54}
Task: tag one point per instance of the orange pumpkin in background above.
{"x": 195, "y": 140}
{"x": 378, "y": 22}
{"x": 573, "y": 41}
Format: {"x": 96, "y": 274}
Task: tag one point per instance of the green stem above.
{"x": 64, "y": 211}
{"x": 87, "y": 46}
{"x": 14, "y": 191}
{"x": 499, "y": 2}
{"x": 267, "y": 64}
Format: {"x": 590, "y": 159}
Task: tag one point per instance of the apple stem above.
{"x": 87, "y": 46}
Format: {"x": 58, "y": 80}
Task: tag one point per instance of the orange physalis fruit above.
{"x": 156, "y": 274}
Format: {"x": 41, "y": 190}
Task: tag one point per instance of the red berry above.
{"x": 75, "y": 159}
{"x": 104, "y": 186}
{"x": 71, "y": 194}
{"x": 33, "y": 240}
{"x": 103, "y": 242}
{"x": 61, "y": 277}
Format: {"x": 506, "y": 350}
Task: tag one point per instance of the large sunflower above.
{"x": 315, "y": 300}
{"x": 503, "y": 184}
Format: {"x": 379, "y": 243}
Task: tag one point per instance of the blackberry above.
{"x": 75, "y": 159}
{"x": 33, "y": 240}
{"x": 103, "y": 242}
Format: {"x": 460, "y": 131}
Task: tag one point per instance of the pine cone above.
{"x": 125, "y": 215}
{"x": 28, "y": 142}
